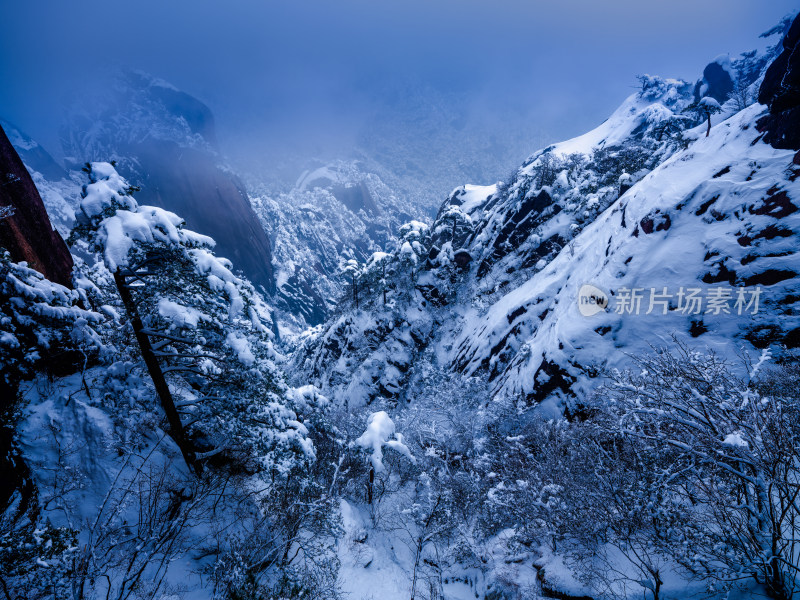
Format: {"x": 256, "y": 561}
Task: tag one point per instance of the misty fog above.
{"x": 292, "y": 85}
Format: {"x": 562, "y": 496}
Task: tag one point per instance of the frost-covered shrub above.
{"x": 36, "y": 559}
{"x": 738, "y": 442}
{"x": 42, "y": 325}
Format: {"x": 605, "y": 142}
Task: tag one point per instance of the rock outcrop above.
{"x": 716, "y": 83}
{"x": 780, "y": 90}
{"x": 28, "y": 234}
{"x": 164, "y": 141}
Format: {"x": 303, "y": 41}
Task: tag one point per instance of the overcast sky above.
{"x": 277, "y": 72}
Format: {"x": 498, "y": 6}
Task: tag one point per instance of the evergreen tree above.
{"x": 200, "y": 330}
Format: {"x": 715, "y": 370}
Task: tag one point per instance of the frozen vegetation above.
{"x": 454, "y": 425}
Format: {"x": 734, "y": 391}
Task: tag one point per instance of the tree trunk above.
{"x": 156, "y": 374}
{"x": 709, "y": 125}
{"x": 417, "y": 554}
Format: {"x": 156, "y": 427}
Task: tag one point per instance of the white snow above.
{"x": 475, "y": 196}
{"x": 241, "y": 347}
{"x": 9, "y": 339}
{"x": 178, "y": 315}
{"x": 709, "y": 103}
{"x": 380, "y": 430}
{"x": 736, "y": 440}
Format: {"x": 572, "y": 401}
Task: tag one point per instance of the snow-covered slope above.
{"x": 334, "y": 213}
{"x": 645, "y": 201}
{"x": 716, "y": 216}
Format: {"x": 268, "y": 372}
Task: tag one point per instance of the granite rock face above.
{"x": 28, "y": 234}
{"x": 780, "y": 90}
{"x": 188, "y": 182}
{"x": 716, "y": 83}
{"x": 164, "y": 142}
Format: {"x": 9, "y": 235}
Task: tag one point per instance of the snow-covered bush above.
{"x": 738, "y": 442}
{"x": 381, "y": 432}
{"x": 42, "y": 325}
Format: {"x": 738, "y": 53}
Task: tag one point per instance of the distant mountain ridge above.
{"x": 164, "y": 141}
{"x": 644, "y": 201}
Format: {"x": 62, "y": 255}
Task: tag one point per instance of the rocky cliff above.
{"x": 780, "y": 91}
{"x": 28, "y": 234}
{"x": 164, "y": 141}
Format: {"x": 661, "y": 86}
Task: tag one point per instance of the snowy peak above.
{"x": 658, "y": 102}
{"x": 652, "y": 200}
{"x": 133, "y": 108}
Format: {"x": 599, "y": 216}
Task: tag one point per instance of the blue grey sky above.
{"x": 305, "y": 73}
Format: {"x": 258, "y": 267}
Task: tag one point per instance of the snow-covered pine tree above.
{"x": 411, "y": 246}
{"x": 351, "y": 271}
{"x": 706, "y": 107}
{"x": 200, "y": 330}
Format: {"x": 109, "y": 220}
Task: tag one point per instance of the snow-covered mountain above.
{"x": 644, "y": 202}
{"x": 164, "y": 141}
{"x": 160, "y": 441}
{"x": 334, "y": 213}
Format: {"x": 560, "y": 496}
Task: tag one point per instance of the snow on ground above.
{"x": 475, "y": 195}
{"x": 374, "y": 566}
{"x": 614, "y": 253}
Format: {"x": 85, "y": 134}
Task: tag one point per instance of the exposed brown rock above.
{"x": 28, "y": 234}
